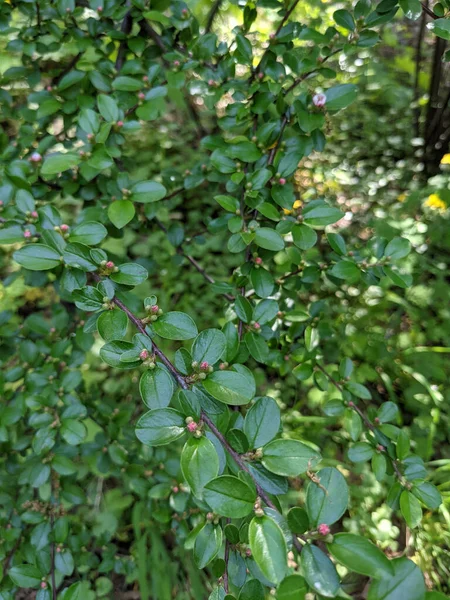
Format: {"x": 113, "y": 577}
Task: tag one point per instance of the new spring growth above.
{"x": 154, "y": 312}
{"x": 319, "y": 100}
{"x": 323, "y": 529}
{"x": 193, "y": 427}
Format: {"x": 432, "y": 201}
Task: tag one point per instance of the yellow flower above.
{"x": 435, "y": 202}
{"x": 402, "y": 197}
{"x": 297, "y": 204}
{"x": 445, "y": 160}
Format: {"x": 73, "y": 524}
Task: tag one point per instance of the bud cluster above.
{"x": 194, "y": 427}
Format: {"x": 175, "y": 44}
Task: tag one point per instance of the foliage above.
{"x": 143, "y": 414}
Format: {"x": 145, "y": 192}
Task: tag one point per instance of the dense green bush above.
{"x": 206, "y": 362}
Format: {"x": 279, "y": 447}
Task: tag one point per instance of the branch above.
{"x": 182, "y": 383}
{"x": 209, "y": 23}
{"x": 365, "y": 419}
{"x": 126, "y": 28}
{"x": 428, "y": 11}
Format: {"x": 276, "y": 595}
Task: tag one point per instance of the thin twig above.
{"x": 365, "y": 419}
{"x": 429, "y": 12}
{"x": 125, "y": 29}
{"x": 210, "y": 20}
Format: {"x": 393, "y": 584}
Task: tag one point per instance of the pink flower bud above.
{"x": 35, "y": 157}
{"x": 110, "y": 264}
{"x": 351, "y": 404}
{"x": 175, "y": 489}
{"x": 141, "y": 96}
{"x": 43, "y": 585}
{"x": 260, "y": 75}
{"x": 319, "y": 100}
{"x": 257, "y": 326}
{"x": 100, "y": 9}
{"x": 211, "y": 82}
{"x": 272, "y": 36}
{"x": 192, "y": 426}
{"x": 1, "y": 202}
{"x": 154, "y": 308}
{"x": 145, "y": 78}
{"x": 49, "y": 88}
{"x": 282, "y": 181}
{"x": 248, "y": 552}
{"x": 176, "y": 63}
{"x": 323, "y": 529}
{"x": 119, "y": 123}
{"x": 34, "y": 214}
{"x": 184, "y": 11}
{"x": 381, "y": 448}
{"x": 258, "y": 260}
{"x": 64, "y": 228}
{"x": 27, "y": 233}
{"x": 204, "y": 366}
{"x": 144, "y": 355}
{"x": 90, "y": 136}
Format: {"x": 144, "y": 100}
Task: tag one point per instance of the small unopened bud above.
{"x": 323, "y": 529}
{"x": 43, "y": 585}
{"x": 319, "y": 100}
{"x": 49, "y": 88}
{"x": 176, "y": 63}
{"x": 64, "y": 228}
{"x": 141, "y": 96}
{"x": 191, "y": 426}
{"x": 99, "y": 9}
{"x": 90, "y": 136}
{"x": 144, "y": 354}
{"x": 351, "y": 404}
{"x": 154, "y": 309}
{"x": 119, "y": 123}
{"x": 223, "y": 366}
{"x": 258, "y": 260}
{"x": 257, "y": 326}
{"x": 272, "y": 36}
{"x": 282, "y": 181}
{"x": 211, "y": 82}
{"x": 248, "y": 552}
{"x": 204, "y": 366}
{"x": 175, "y": 489}
{"x": 109, "y": 264}
{"x": 260, "y": 75}
{"x": 184, "y": 11}
{"x": 35, "y": 157}
{"x": 202, "y": 376}
{"x": 194, "y": 364}
{"x": 376, "y": 421}
{"x": 27, "y": 234}
{"x": 145, "y": 78}
{"x": 381, "y": 448}
{"x": 34, "y": 214}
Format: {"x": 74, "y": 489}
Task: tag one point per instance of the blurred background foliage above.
{"x": 387, "y": 162}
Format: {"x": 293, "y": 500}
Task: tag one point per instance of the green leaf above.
{"x": 359, "y": 555}
{"x": 156, "y": 387}
{"x": 407, "y": 583}
{"x": 269, "y": 239}
{"x": 398, "y": 247}
{"x": 57, "y": 163}
{"x": 229, "y": 496}
{"x": 347, "y": 270}
{"x": 304, "y": 237}
{"x": 358, "y": 390}
{"x": 127, "y": 84}
{"x": 268, "y": 548}
{"x": 25, "y": 576}
{"x": 319, "y": 572}
{"x": 327, "y": 506}
{"x": 345, "y": 19}
{"x": 337, "y": 242}
{"x": 175, "y": 326}
{"x": 37, "y": 257}
{"x": 262, "y": 422}
{"x": 411, "y": 8}
{"x": 318, "y": 214}
{"x": 108, "y": 108}
{"x": 130, "y": 274}
{"x": 121, "y": 212}
{"x": 360, "y": 452}
{"x": 89, "y": 121}
{"x": 441, "y": 28}
{"x": 257, "y": 346}
{"x": 428, "y": 494}
{"x": 341, "y": 96}
{"x": 410, "y": 509}
{"x": 207, "y": 545}
{"x": 262, "y": 281}
{"x": 209, "y": 346}
{"x": 387, "y": 412}
{"x": 293, "y": 587}
{"x": 265, "y": 311}
{"x": 252, "y": 590}
{"x": 230, "y": 387}
{"x": 160, "y": 426}
{"x": 73, "y": 432}
{"x": 89, "y": 233}
{"x": 112, "y": 325}
{"x": 147, "y": 191}
{"x": 199, "y": 463}
{"x": 289, "y": 458}
{"x": 298, "y": 520}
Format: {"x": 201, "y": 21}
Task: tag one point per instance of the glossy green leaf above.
{"x": 208, "y": 346}
{"x": 199, "y": 463}
{"x": 361, "y": 556}
{"x": 319, "y": 572}
{"x": 147, "y": 191}
{"x": 407, "y": 582}
{"x": 207, "y": 545}
{"x": 329, "y": 504}
{"x": 175, "y": 326}
{"x": 229, "y": 496}
{"x": 268, "y": 548}
{"x": 230, "y": 387}
{"x": 262, "y": 422}
{"x": 112, "y": 325}
{"x": 160, "y": 426}
{"x": 37, "y": 257}
{"x": 156, "y": 387}
{"x": 121, "y": 212}
{"x": 289, "y": 457}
